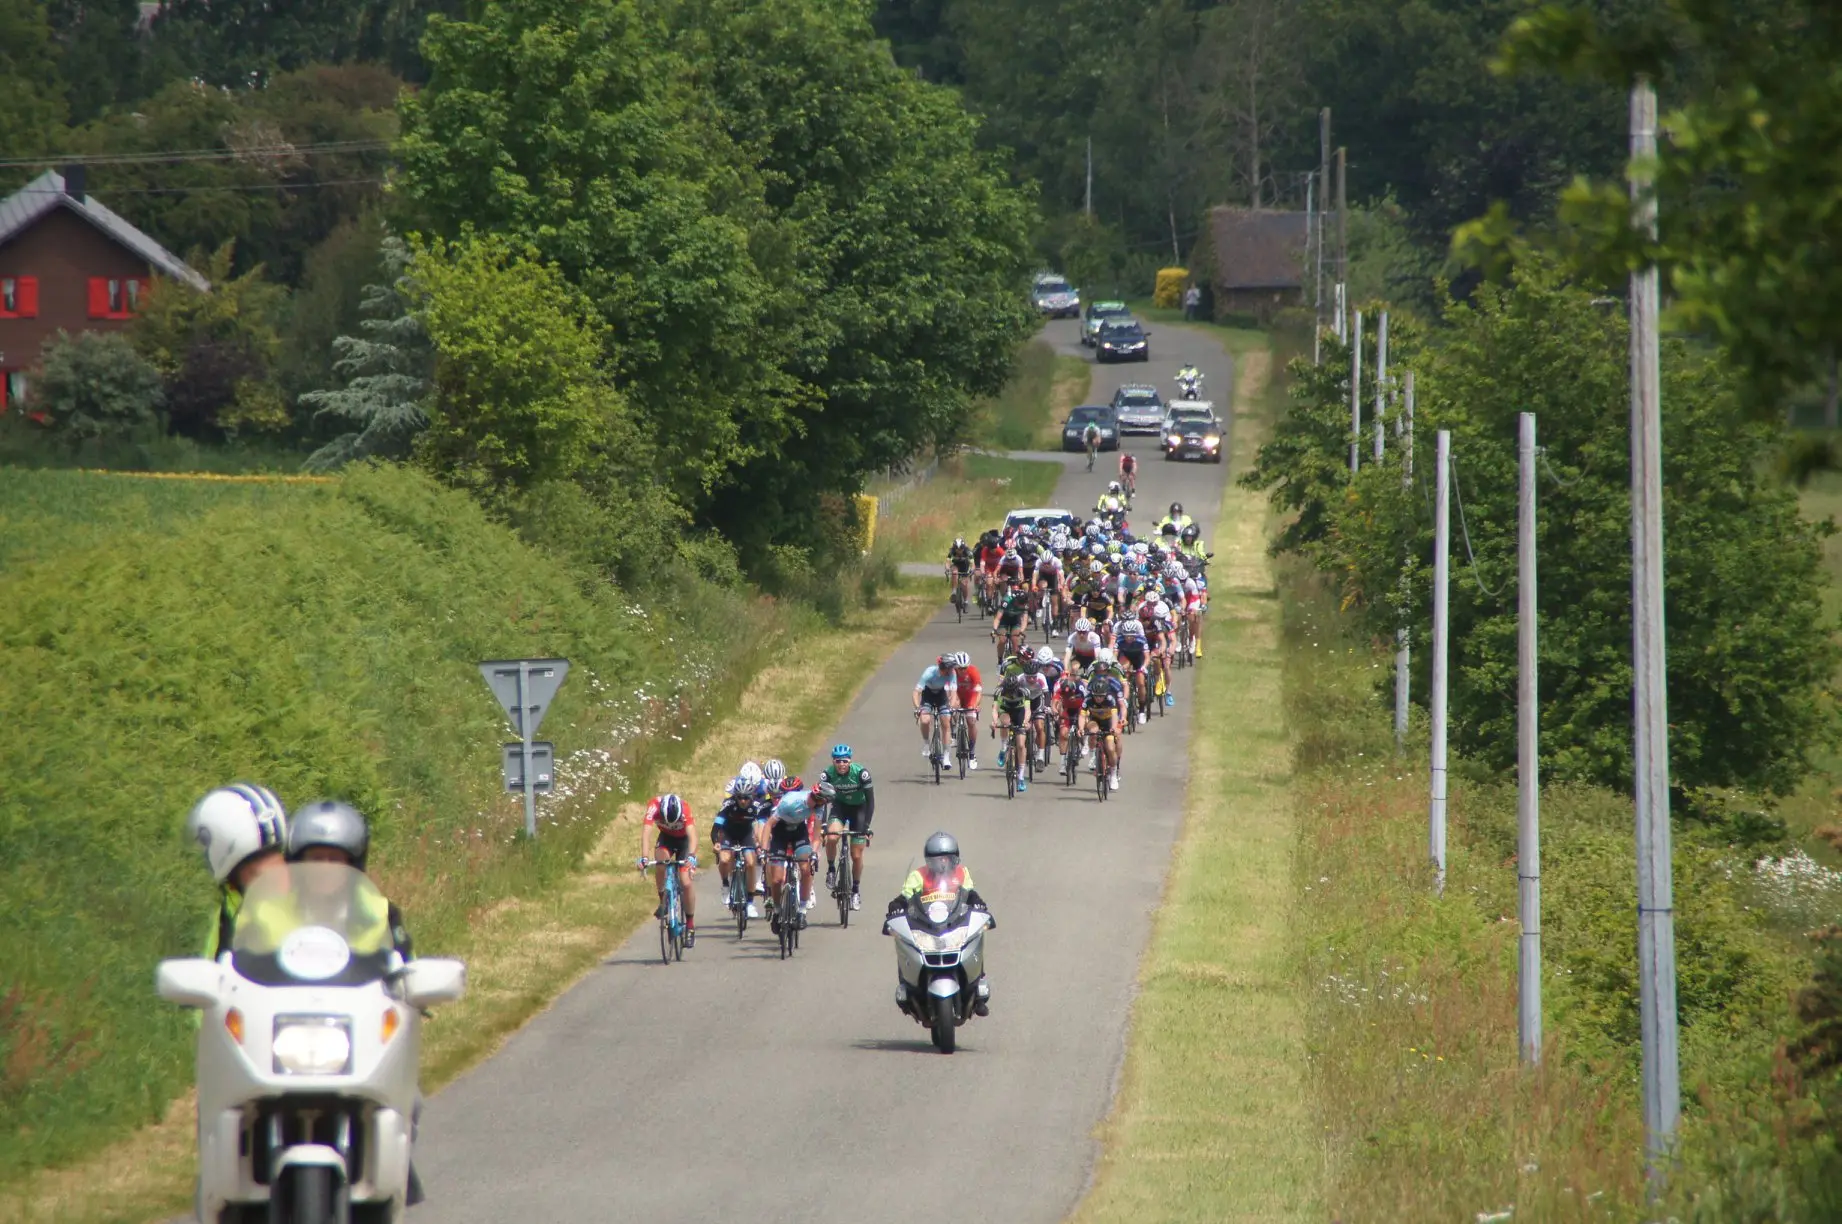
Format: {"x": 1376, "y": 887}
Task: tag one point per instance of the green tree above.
{"x": 385, "y": 370}
{"x": 1750, "y": 654}
{"x": 93, "y": 386}
{"x": 31, "y": 92}
{"x": 216, "y": 351}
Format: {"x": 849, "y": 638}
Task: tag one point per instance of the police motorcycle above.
{"x": 1189, "y": 383}
{"x": 307, "y": 1053}
{"x": 940, "y": 957}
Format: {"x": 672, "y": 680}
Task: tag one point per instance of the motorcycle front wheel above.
{"x": 311, "y": 1196}
{"x": 946, "y": 1032}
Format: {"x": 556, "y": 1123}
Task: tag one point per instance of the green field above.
{"x": 159, "y": 637}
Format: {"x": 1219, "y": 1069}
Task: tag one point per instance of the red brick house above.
{"x": 68, "y": 262}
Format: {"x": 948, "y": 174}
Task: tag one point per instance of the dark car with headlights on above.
{"x": 1122, "y": 340}
{"x": 1193, "y": 435}
{"x": 1074, "y": 429}
{"x": 1140, "y": 408}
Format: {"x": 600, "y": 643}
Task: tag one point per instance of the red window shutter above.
{"x": 99, "y": 297}
{"x": 4, "y": 380}
{"x": 28, "y": 297}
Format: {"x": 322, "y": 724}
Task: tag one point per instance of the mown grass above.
{"x": 1213, "y": 1119}
{"x": 969, "y": 493}
{"x": 157, "y": 639}
{"x": 1027, "y": 414}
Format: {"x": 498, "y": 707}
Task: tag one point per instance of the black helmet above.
{"x": 1191, "y": 534}
{"x": 941, "y": 845}
{"x": 1176, "y": 508}
{"x": 1169, "y": 529}
{"x": 328, "y": 822}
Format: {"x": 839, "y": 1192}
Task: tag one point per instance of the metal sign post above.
{"x": 525, "y": 687}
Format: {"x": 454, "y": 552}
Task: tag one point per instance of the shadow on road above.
{"x": 889, "y": 1045}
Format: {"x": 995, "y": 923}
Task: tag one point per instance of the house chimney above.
{"x": 76, "y": 181}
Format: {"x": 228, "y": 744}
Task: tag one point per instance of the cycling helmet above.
{"x": 773, "y": 772}
{"x": 329, "y": 822}
{"x": 750, "y": 772}
{"x": 1168, "y": 529}
{"x": 1093, "y": 531}
{"x": 1115, "y": 488}
{"x": 959, "y": 542}
{"x": 1176, "y": 508}
{"x": 1026, "y": 662}
{"x": 824, "y": 792}
{"x": 1160, "y": 609}
{"x": 1083, "y": 625}
{"x": 840, "y": 750}
{"x": 941, "y": 845}
{"x": 790, "y": 784}
{"x": 962, "y": 659}
{"x": 1191, "y": 534}
{"x": 1096, "y": 567}
{"x": 671, "y": 812}
{"x": 945, "y": 660}
{"x": 1103, "y": 655}
{"x": 1010, "y": 554}
{"x": 234, "y": 823}
{"x": 741, "y": 788}
{"x": 1044, "y": 655}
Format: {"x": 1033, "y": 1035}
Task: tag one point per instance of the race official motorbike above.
{"x": 1189, "y": 384}
{"x": 940, "y": 961}
{"x": 307, "y": 1053}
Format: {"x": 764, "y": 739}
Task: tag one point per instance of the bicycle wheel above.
{"x": 788, "y": 916}
{"x": 962, "y": 751}
{"x": 842, "y": 893}
{"x": 665, "y": 940}
{"x": 933, "y": 749}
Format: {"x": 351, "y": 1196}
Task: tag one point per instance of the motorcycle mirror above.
{"x": 189, "y": 982}
{"x": 434, "y": 980}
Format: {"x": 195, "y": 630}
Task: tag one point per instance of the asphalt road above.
{"x": 735, "y": 1086}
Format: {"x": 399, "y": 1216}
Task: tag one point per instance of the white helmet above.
{"x": 1045, "y": 655}
{"x": 1104, "y": 655}
{"x": 234, "y": 822}
{"x": 1161, "y": 610}
{"x": 962, "y": 659}
{"x": 774, "y": 772}
{"x": 1083, "y": 625}
{"x": 750, "y": 774}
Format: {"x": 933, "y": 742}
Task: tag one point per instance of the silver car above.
{"x": 1140, "y": 409}
{"x": 1055, "y": 298}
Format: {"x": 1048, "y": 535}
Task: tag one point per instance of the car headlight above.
{"x": 1212, "y": 441}
{"x": 312, "y": 1045}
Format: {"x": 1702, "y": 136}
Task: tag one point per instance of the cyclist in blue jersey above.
{"x": 795, "y": 816}
{"x": 936, "y": 692}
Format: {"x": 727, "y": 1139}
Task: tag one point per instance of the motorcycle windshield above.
{"x": 312, "y": 924}
{"x": 937, "y": 908}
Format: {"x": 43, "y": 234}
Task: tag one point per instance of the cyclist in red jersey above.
{"x": 670, "y": 829}
{"x": 971, "y": 686}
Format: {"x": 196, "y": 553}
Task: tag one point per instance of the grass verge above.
{"x": 1027, "y": 413}
{"x": 969, "y": 492}
{"x": 1213, "y": 1119}
{"x": 523, "y": 950}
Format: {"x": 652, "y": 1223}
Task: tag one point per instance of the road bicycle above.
{"x": 744, "y": 854}
{"x": 959, "y": 593}
{"x": 786, "y": 916}
{"x": 672, "y": 928}
{"x": 936, "y": 742}
{"x": 1096, "y": 744}
{"x": 1015, "y": 735}
{"x": 1186, "y": 651}
{"x": 963, "y": 747}
{"x": 846, "y": 883}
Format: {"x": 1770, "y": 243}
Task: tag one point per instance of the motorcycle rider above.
{"x": 243, "y": 832}
{"x": 851, "y": 813}
{"x": 1176, "y": 518}
{"x": 328, "y": 831}
{"x": 1189, "y": 380}
{"x": 939, "y": 877}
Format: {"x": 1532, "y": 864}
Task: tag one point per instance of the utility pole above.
{"x": 1656, "y": 926}
{"x": 1381, "y": 383}
{"x": 1088, "y": 207}
{"x": 1442, "y": 574}
{"x": 1343, "y": 228}
{"x": 1528, "y": 757}
{"x": 1311, "y": 238}
{"x": 1403, "y": 429}
{"x": 1323, "y": 180}
{"x": 1356, "y": 399}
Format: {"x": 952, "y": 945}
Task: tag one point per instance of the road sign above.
{"x": 542, "y": 760}
{"x": 524, "y": 687}
{"x": 541, "y": 678}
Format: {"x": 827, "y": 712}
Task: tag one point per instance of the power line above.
{"x": 121, "y": 191}
{"x": 275, "y": 151}
{"x": 1476, "y": 575}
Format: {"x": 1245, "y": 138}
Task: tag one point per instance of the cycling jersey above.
{"x": 735, "y": 820}
{"x": 1013, "y": 693}
{"x": 794, "y": 809}
{"x": 960, "y": 559}
{"x": 970, "y": 685}
{"x": 656, "y": 818}
{"x": 1083, "y": 645}
{"x": 935, "y": 680}
{"x": 852, "y": 784}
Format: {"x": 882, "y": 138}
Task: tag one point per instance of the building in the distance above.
{"x": 1251, "y": 261}
{"x": 68, "y": 263}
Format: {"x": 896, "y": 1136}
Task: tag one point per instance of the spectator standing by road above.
{"x": 1192, "y": 301}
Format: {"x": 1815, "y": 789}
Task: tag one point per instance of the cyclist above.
{"x": 243, "y": 832}
{"x": 669, "y": 830}
{"x": 851, "y": 812}
{"x": 935, "y": 693}
{"x": 1154, "y": 615}
{"x": 1010, "y": 705}
{"x": 959, "y": 570}
{"x": 1010, "y": 569}
{"x": 794, "y": 817}
{"x": 971, "y": 690}
{"x": 1082, "y": 645}
{"x": 1100, "y": 712}
{"x": 1069, "y": 696}
{"x": 1007, "y": 625}
{"x": 1128, "y": 472}
{"x": 1133, "y": 650}
{"x": 939, "y": 877}
{"x": 1090, "y": 438}
{"x": 733, "y": 831}
{"x": 1049, "y": 582}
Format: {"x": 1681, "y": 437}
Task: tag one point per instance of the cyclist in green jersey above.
{"x": 851, "y": 811}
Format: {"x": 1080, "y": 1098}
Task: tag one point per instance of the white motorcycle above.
{"x": 940, "y": 961}
{"x": 1189, "y": 384}
{"x": 307, "y": 1053}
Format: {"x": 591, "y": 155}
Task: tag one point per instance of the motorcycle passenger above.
{"x": 1176, "y": 518}
{"x": 671, "y": 834}
{"x": 940, "y": 876}
{"x": 732, "y": 830}
{"x": 851, "y": 813}
{"x": 328, "y": 831}
{"x": 243, "y": 832}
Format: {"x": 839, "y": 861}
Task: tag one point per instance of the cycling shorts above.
{"x": 1010, "y": 620}
{"x": 1051, "y": 579}
{"x": 1016, "y": 713}
{"x": 1134, "y": 653}
{"x": 856, "y": 819}
{"x": 1103, "y": 718}
{"x": 672, "y": 845}
{"x": 733, "y": 831}
{"x": 961, "y": 565}
{"x": 788, "y": 838}
{"x": 932, "y": 699}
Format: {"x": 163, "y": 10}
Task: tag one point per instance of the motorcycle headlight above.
{"x": 312, "y": 1045}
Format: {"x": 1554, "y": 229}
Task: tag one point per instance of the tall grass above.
{"x": 158, "y": 639}
{"x": 1027, "y": 413}
{"x": 968, "y": 494}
